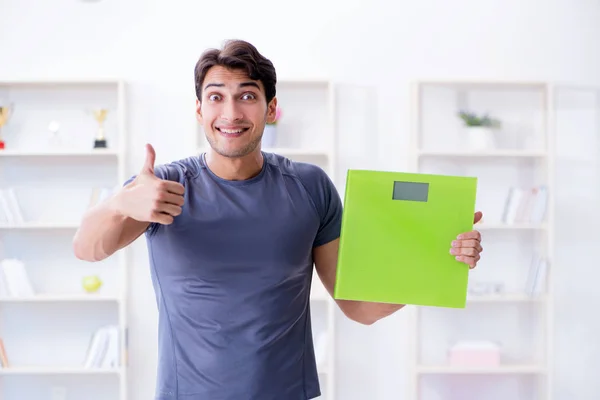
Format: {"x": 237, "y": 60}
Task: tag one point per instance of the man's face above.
{"x": 233, "y": 111}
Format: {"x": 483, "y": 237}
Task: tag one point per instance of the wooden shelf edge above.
{"x": 501, "y": 369}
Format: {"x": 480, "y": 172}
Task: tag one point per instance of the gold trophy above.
{"x": 100, "y": 116}
{"x": 5, "y": 113}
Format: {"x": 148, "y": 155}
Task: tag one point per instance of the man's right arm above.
{"x": 121, "y": 219}
{"x": 104, "y": 231}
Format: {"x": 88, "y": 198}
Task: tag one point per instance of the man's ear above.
{"x": 271, "y": 110}
{"x": 199, "y": 110}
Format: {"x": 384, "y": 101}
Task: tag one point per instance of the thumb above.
{"x": 477, "y": 217}
{"x": 150, "y": 158}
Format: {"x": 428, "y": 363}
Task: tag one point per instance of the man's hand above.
{"x": 467, "y": 246}
{"x": 151, "y": 199}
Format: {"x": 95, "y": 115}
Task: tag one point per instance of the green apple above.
{"x": 91, "y": 283}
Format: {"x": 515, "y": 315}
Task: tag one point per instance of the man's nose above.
{"x": 231, "y": 112}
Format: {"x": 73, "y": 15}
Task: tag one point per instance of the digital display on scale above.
{"x": 410, "y": 191}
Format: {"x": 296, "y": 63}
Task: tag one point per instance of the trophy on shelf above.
{"x": 55, "y": 139}
{"x": 5, "y": 113}
{"x": 100, "y": 116}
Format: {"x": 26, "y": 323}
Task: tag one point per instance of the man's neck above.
{"x": 235, "y": 169}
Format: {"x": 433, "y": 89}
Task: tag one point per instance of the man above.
{"x": 232, "y": 236}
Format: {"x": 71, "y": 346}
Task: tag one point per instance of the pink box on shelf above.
{"x": 474, "y": 354}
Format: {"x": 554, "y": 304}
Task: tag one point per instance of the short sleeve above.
{"x": 326, "y": 200}
{"x": 170, "y": 172}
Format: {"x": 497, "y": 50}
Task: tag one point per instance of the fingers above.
{"x": 170, "y": 209}
{"x": 468, "y": 243}
{"x": 170, "y": 198}
{"x": 467, "y": 248}
{"x": 470, "y": 261}
{"x": 477, "y": 217}
{"x": 470, "y": 235}
{"x": 162, "y": 218}
{"x": 165, "y": 213}
{"x": 465, "y": 251}
{"x": 171, "y": 187}
{"x": 148, "y": 167}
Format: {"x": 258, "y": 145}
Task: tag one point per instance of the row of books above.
{"x": 3, "y": 356}
{"x": 320, "y": 343}
{"x": 103, "y": 351}
{"x": 14, "y": 280}
{"x": 536, "y": 277}
{"x": 99, "y": 194}
{"x": 525, "y": 205}
{"x": 11, "y": 212}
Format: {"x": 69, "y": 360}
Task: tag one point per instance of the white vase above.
{"x": 269, "y": 138}
{"x": 480, "y": 138}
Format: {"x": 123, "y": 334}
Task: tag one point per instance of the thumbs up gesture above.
{"x": 151, "y": 199}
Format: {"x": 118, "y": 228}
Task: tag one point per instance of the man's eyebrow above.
{"x": 243, "y": 84}
{"x": 214, "y": 84}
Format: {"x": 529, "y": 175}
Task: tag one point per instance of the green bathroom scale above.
{"x": 396, "y": 235}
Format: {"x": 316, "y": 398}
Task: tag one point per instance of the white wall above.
{"x": 154, "y": 45}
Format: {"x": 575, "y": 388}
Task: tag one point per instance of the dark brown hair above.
{"x": 237, "y": 54}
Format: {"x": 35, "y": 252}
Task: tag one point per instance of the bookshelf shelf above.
{"x": 59, "y": 153}
{"x": 39, "y": 226}
{"x": 61, "y": 298}
{"x": 499, "y": 370}
{"x": 505, "y": 298}
{"x": 53, "y": 333}
{"x": 500, "y": 153}
{"x": 514, "y": 168}
{"x": 58, "y": 371}
{"x": 516, "y": 226}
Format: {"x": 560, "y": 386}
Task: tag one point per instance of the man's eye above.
{"x": 213, "y": 97}
{"x": 248, "y": 96}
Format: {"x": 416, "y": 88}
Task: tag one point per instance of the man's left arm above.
{"x": 325, "y": 258}
{"x": 466, "y": 248}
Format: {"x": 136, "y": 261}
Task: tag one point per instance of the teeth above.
{"x": 231, "y": 131}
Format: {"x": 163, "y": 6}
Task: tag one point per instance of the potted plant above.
{"x": 480, "y": 129}
{"x": 269, "y": 137}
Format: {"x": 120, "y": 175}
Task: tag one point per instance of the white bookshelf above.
{"x": 47, "y": 332}
{"x": 500, "y": 307}
{"x": 307, "y": 132}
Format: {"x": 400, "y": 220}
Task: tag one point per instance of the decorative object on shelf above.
{"x": 5, "y": 114}
{"x": 91, "y": 283}
{"x": 485, "y": 288}
{"x": 269, "y": 138}
{"x": 321, "y": 349}
{"x": 3, "y": 356}
{"x": 10, "y": 210}
{"x": 55, "y": 140}
{"x": 14, "y": 279}
{"x": 536, "y": 283}
{"x": 525, "y": 205}
{"x": 98, "y": 195}
{"x": 100, "y": 115}
{"x": 104, "y": 351}
{"x": 480, "y": 130}
{"x": 474, "y": 354}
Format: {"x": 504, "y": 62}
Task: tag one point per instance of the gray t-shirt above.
{"x": 232, "y": 278}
